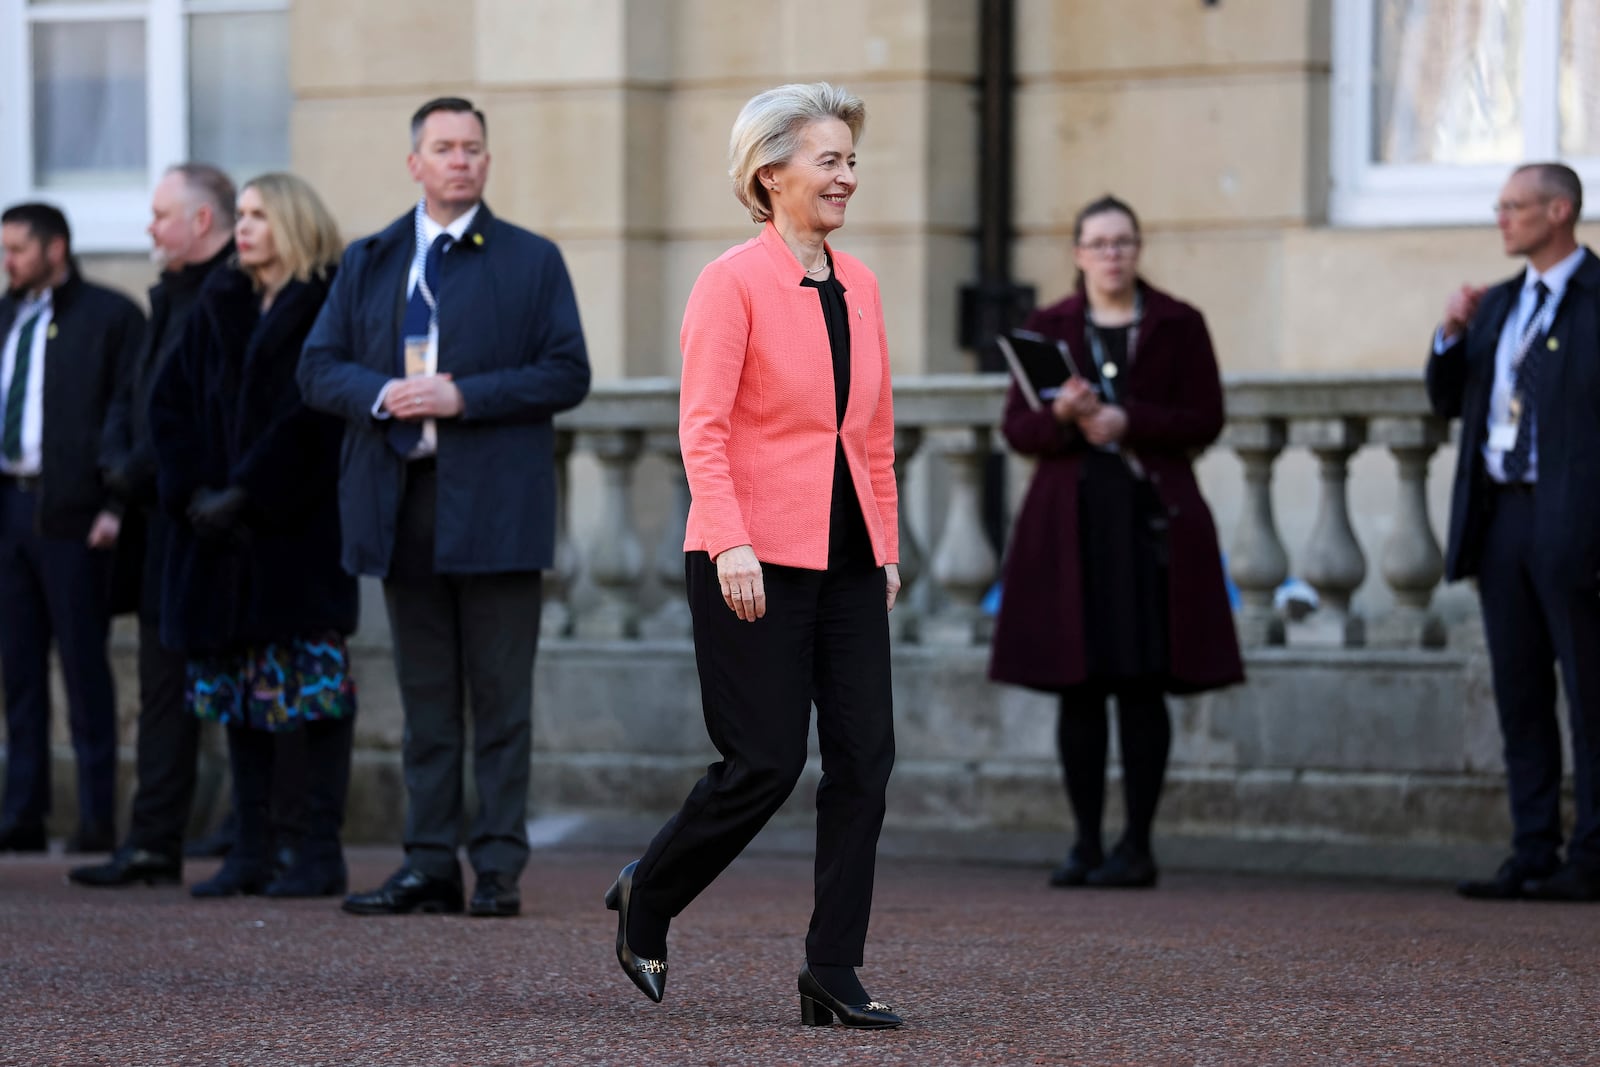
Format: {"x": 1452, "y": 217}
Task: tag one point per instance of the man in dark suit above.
{"x": 447, "y": 343}
{"x": 1520, "y": 364}
{"x": 64, "y": 341}
{"x": 191, "y": 228}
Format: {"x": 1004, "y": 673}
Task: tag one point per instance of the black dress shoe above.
{"x": 23, "y": 837}
{"x": 129, "y": 866}
{"x": 649, "y": 975}
{"x": 406, "y": 891}
{"x": 1074, "y": 870}
{"x": 1571, "y": 883}
{"x": 494, "y": 897}
{"x": 93, "y": 837}
{"x": 238, "y": 877}
{"x": 1125, "y": 868}
{"x": 1506, "y": 883}
{"x": 303, "y": 876}
{"x": 818, "y": 1007}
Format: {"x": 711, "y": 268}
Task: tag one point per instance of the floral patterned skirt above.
{"x": 276, "y": 686}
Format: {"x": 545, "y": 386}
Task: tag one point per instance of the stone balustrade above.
{"x": 946, "y": 432}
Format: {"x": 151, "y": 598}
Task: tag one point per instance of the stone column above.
{"x": 963, "y": 563}
{"x": 1334, "y": 563}
{"x": 671, "y": 619}
{"x": 1256, "y": 559}
{"x": 904, "y": 622}
{"x": 555, "y": 620}
{"x": 1412, "y": 564}
{"x": 616, "y": 559}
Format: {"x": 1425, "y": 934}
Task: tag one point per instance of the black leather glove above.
{"x": 118, "y": 483}
{"x": 215, "y": 512}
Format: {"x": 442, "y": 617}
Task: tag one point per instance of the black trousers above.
{"x": 825, "y": 637}
{"x": 166, "y": 750}
{"x": 460, "y": 642}
{"x": 1534, "y": 622}
{"x": 58, "y": 590}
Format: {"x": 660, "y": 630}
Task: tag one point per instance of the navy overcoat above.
{"x": 510, "y": 337}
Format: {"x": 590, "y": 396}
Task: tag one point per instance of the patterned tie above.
{"x": 1525, "y": 381}
{"x": 420, "y": 313}
{"x": 17, "y": 394}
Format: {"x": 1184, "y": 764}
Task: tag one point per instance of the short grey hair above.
{"x": 768, "y": 129}
{"x": 1558, "y": 182}
{"x": 209, "y": 185}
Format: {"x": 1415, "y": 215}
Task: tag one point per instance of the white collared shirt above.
{"x": 429, "y": 444}
{"x": 1555, "y": 279}
{"x": 32, "y": 459}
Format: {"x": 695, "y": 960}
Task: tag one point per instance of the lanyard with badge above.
{"x": 1107, "y": 368}
{"x": 1503, "y": 432}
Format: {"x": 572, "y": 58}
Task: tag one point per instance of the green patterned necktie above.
{"x": 17, "y": 395}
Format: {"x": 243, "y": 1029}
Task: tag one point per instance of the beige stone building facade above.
{"x": 1234, "y": 126}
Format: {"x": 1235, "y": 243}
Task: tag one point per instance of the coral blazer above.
{"x": 756, "y": 416}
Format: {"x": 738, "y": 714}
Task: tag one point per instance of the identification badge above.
{"x": 1503, "y": 436}
{"x": 416, "y": 355}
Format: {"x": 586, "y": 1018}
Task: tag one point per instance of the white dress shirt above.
{"x": 1555, "y": 279}
{"x": 429, "y": 444}
{"x": 33, "y": 402}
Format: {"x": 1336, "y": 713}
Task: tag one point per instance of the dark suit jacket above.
{"x": 1567, "y": 406}
{"x": 510, "y": 336}
{"x": 93, "y": 334}
{"x": 1173, "y": 398}
{"x": 225, "y": 412}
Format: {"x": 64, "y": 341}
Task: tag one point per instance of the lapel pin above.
{"x": 859, "y": 313}
{"x": 50, "y": 334}
{"x": 477, "y": 239}
{"x": 1552, "y": 344}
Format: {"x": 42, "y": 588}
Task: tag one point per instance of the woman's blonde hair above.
{"x": 303, "y": 230}
{"x": 768, "y": 129}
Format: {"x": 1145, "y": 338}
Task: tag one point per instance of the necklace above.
{"x": 820, "y": 267}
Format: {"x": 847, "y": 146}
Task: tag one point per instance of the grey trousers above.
{"x": 462, "y": 644}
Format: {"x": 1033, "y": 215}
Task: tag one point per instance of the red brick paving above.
{"x": 987, "y": 965}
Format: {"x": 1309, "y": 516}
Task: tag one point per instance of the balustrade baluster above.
{"x": 963, "y": 565}
{"x": 1334, "y": 564}
{"x": 904, "y": 621}
{"x": 1412, "y": 563}
{"x": 1256, "y": 558}
{"x": 616, "y": 559}
{"x": 555, "y": 618}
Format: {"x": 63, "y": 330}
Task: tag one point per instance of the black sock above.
{"x": 1081, "y": 737}
{"x": 840, "y": 982}
{"x": 647, "y": 932}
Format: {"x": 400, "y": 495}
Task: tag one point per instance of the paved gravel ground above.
{"x": 987, "y": 965}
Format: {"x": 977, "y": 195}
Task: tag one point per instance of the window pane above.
{"x": 239, "y": 91}
{"x": 88, "y": 104}
{"x": 1447, "y": 83}
{"x": 1580, "y": 78}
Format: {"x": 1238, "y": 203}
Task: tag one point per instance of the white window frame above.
{"x": 105, "y": 220}
{"x": 1366, "y": 193}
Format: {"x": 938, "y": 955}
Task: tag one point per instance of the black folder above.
{"x": 1039, "y": 365}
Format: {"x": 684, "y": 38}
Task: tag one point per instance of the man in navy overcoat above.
{"x": 1519, "y": 362}
{"x": 448, "y": 342}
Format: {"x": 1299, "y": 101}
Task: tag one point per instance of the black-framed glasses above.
{"x": 1102, "y": 246}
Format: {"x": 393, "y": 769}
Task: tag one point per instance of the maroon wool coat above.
{"x": 1173, "y": 398}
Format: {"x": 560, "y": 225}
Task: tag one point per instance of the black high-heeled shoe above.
{"x": 649, "y": 975}
{"x": 818, "y": 1008}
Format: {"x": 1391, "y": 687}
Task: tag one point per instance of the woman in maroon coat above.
{"x": 1113, "y": 581}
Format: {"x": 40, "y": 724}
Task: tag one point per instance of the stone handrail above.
{"x": 951, "y": 420}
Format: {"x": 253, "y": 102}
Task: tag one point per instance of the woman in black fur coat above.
{"x": 253, "y": 592}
